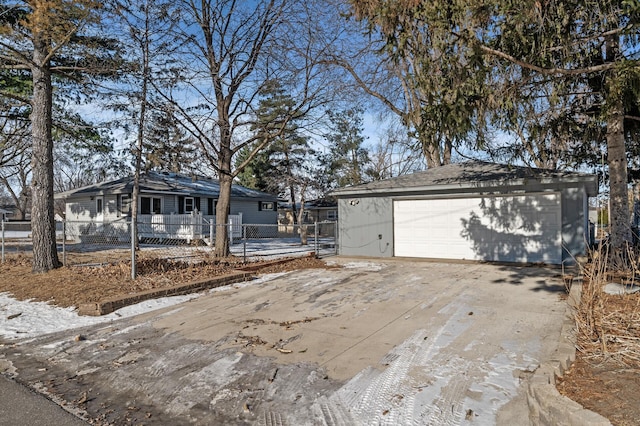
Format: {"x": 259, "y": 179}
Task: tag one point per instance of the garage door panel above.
{"x": 514, "y": 228}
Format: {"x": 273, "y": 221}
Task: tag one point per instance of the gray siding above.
{"x": 574, "y": 216}
{"x": 81, "y": 209}
{"x": 251, "y": 213}
{"x": 362, "y": 222}
{"x": 110, "y": 208}
{"x": 84, "y": 209}
{"x": 363, "y": 219}
{"x": 169, "y": 204}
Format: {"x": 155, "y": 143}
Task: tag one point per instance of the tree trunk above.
{"x": 135, "y": 246}
{"x": 294, "y": 208}
{"x": 617, "y": 162}
{"x": 619, "y": 216}
{"x": 302, "y": 227}
{"x": 431, "y": 151}
{"x": 45, "y": 254}
{"x": 222, "y": 216}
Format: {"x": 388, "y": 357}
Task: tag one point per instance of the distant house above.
{"x": 166, "y": 198}
{"x": 319, "y": 210}
{"x": 4, "y": 215}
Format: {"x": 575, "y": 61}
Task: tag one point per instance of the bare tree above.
{"x": 394, "y": 154}
{"x": 15, "y": 169}
{"x": 415, "y": 76}
{"x": 234, "y": 50}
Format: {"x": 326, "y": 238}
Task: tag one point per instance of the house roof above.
{"x": 165, "y": 183}
{"x": 471, "y": 175}
{"x": 320, "y": 203}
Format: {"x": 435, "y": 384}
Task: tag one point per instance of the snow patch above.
{"x": 22, "y": 319}
{"x": 367, "y": 266}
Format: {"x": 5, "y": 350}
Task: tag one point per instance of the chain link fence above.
{"x": 95, "y": 243}
{"x": 16, "y": 238}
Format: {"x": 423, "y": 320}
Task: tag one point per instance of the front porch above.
{"x": 190, "y": 227}
{"x": 155, "y": 228}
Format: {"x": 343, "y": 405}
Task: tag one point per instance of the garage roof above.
{"x": 472, "y": 175}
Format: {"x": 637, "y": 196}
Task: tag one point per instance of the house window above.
{"x": 332, "y": 214}
{"x": 99, "y": 205}
{"x": 150, "y": 205}
{"x": 266, "y": 205}
{"x": 124, "y": 205}
{"x": 211, "y": 206}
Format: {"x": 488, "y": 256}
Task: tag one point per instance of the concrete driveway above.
{"x": 383, "y": 342}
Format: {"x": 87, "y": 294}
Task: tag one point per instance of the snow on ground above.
{"x": 28, "y": 319}
{"x": 367, "y": 266}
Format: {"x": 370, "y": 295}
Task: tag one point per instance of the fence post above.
{"x": 212, "y": 223}
{"x": 3, "y": 240}
{"x": 315, "y": 240}
{"x": 335, "y": 238}
{"x": 244, "y": 243}
{"x": 64, "y": 242}
{"x": 134, "y": 237}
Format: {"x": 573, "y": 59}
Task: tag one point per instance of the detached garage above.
{"x": 474, "y": 211}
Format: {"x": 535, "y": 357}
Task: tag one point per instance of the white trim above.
{"x": 150, "y": 204}
{"x": 193, "y": 204}
{"x": 99, "y": 204}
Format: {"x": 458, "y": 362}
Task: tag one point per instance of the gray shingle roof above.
{"x": 169, "y": 183}
{"x": 471, "y": 174}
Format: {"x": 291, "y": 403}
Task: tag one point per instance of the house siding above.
{"x": 251, "y": 213}
{"x": 170, "y": 204}
{"x": 574, "y": 215}
{"x": 81, "y": 209}
{"x": 360, "y": 224}
{"x": 171, "y": 189}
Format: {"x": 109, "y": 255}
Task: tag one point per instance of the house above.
{"x": 167, "y": 198}
{"x": 474, "y": 210}
{"x": 320, "y": 210}
{"x": 4, "y": 215}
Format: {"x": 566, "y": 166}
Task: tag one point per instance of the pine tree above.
{"x": 348, "y": 160}
{"x": 45, "y": 39}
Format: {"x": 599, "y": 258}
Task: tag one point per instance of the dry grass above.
{"x": 606, "y": 375}
{"x": 76, "y": 285}
{"x": 609, "y": 325}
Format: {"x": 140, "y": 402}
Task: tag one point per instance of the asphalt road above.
{"x": 388, "y": 342}
{"x": 20, "y": 406}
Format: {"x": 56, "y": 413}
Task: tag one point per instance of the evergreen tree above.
{"x": 570, "y": 45}
{"x": 254, "y": 173}
{"x": 167, "y": 146}
{"x": 281, "y": 167}
{"x": 46, "y": 39}
{"x": 347, "y": 161}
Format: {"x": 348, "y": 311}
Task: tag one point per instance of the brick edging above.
{"x": 547, "y": 406}
{"x": 112, "y": 304}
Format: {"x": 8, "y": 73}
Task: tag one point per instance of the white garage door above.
{"x": 512, "y": 228}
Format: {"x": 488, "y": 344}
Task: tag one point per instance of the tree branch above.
{"x": 548, "y": 71}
